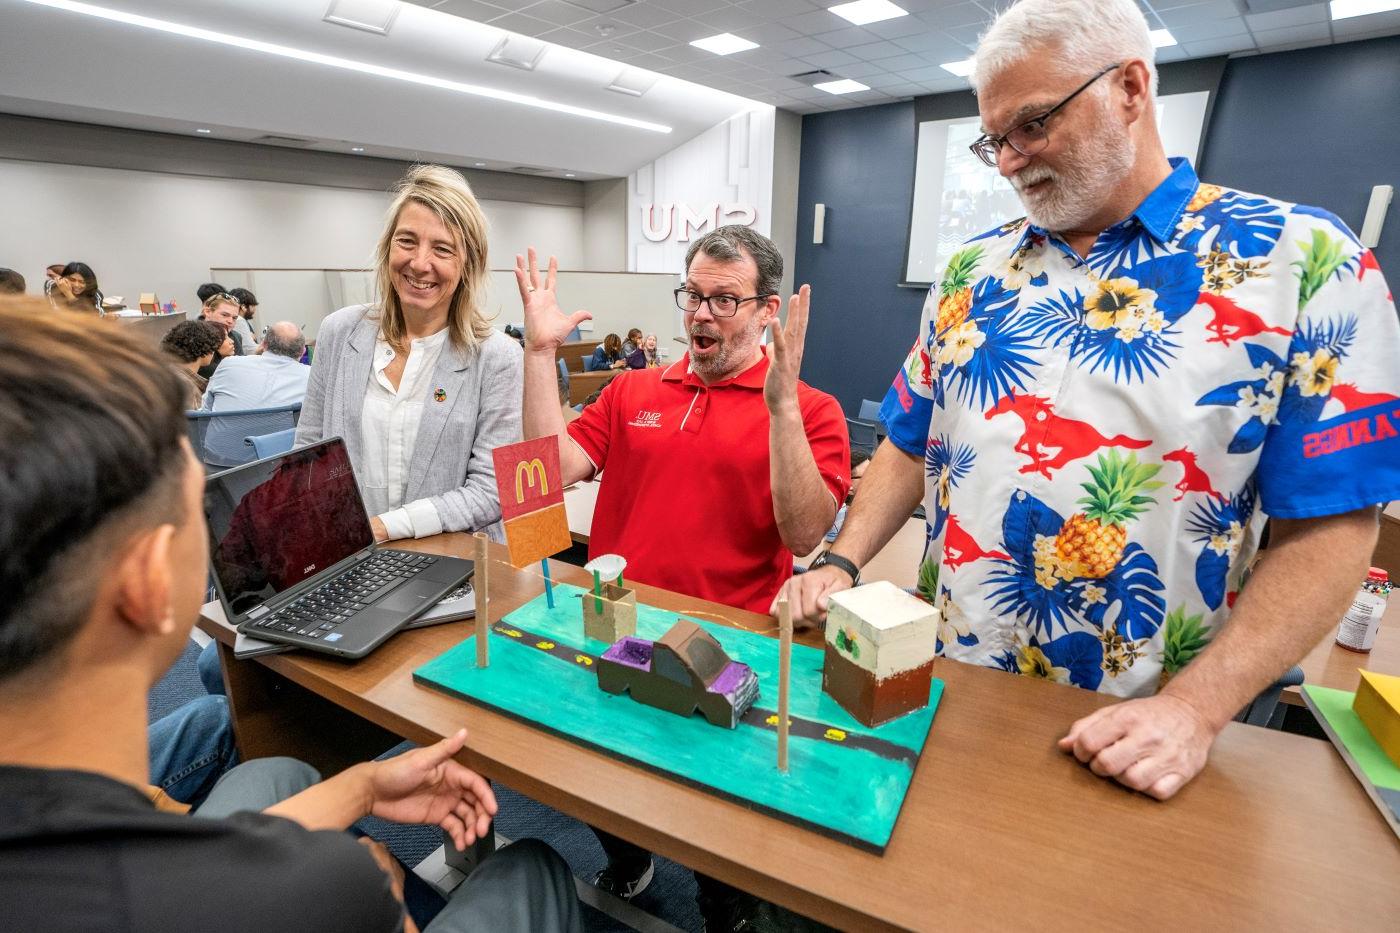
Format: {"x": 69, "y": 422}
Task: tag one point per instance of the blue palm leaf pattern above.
{"x": 1124, "y": 244}
{"x": 941, "y": 454}
{"x": 1250, "y": 434}
{"x": 1237, "y": 223}
{"x": 1081, "y": 654}
{"x": 1014, "y": 588}
{"x": 1309, "y": 385}
{"x": 1134, "y": 587}
{"x": 1216, "y": 525}
{"x": 1002, "y": 362}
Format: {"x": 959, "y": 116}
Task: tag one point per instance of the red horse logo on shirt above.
{"x": 1043, "y": 429}
{"x": 1195, "y": 479}
{"x": 960, "y": 548}
{"x": 1231, "y": 322}
{"x": 1353, "y": 399}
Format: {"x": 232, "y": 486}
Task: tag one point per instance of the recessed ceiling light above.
{"x": 203, "y": 130}
{"x": 724, "y": 44}
{"x": 357, "y": 148}
{"x": 518, "y": 52}
{"x": 480, "y": 164}
{"x": 843, "y": 86}
{"x": 568, "y": 174}
{"x": 1162, "y": 38}
{"x": 867, "y": 11}
{"x": 345, "y": 64}
{"x": 1345, "y": 9}
{"x": 962, "y": 69}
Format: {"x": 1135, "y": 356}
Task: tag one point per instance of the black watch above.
{"x": 839, "y": 562}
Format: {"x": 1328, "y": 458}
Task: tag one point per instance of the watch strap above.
{"x": 836, "y": 560}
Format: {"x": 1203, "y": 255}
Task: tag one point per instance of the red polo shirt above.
{"x": 684, "y": 494}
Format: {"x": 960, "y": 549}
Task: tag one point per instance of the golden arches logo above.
{"x": 525, "y": 473}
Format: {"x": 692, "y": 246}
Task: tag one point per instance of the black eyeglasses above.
{"x": 1029, "y": 137}
{"x": 720, "y": 305}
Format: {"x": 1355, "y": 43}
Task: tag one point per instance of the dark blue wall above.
{"x": 1318, "y": 126}
{"x": 860, "y": 164}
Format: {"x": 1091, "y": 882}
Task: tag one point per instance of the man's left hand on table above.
{"x": 1154, "y": 744}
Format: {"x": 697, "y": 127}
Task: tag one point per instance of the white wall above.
{"x": 146, "y": 231}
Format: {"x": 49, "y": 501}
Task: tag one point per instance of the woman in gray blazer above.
{"x": 419, "y": 385}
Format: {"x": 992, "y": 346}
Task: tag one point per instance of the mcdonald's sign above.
{"x": 530, "y": 472}
{"x": 527, "y": 476}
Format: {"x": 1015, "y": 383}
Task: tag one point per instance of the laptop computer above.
{"x": 295, "y": 563}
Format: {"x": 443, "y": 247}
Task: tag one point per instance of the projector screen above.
{"x": 956, "y": 196}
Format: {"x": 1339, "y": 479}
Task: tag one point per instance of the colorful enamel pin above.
{"x": 439, "y": 395}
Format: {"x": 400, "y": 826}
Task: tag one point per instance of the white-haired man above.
{"x": 1137, "y": 330}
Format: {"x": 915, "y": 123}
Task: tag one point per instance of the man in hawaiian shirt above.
{"x": 1108, "y": 398}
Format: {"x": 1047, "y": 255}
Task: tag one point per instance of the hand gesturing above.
{"x": 546, "y": 326}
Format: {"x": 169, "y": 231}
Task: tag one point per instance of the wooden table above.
{"x": 999, "y": 831}
{"x": 1331, "y": 665}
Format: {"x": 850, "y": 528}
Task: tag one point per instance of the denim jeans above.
{"x": 191, "y": 748}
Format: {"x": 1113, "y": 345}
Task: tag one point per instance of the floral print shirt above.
{"x": 1103, "y": 436}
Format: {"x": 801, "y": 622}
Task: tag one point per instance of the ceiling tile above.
{"x": 1174, "y": 53}
{"x": 684, "y": 53}
{"x": 650, "y": 41}
{"x": 816, "y": 22}
{"x": 779, "y": 65}
{"x": 885, "y": 81}
{"x": 779, "y": 9}
{"x": 861, "y": 70}
{"x": 731, "y": 19}
{"x": 1312, "y": 32}
{"x": 769, "y": 33}
{"x": 558, "y": 12}
{"x": 905, "y": 62}
{"x": 471, "y": 9}
{"x": 899, "y": 26}
{"x": 522, "y": 24}
{"x": 829, "y": 59}
{"x": 689, "y": 7}
{"x": 845, "y": 38}
{"x": 643, "y": 15}
{"x": 1224, "y": 46}
{"x": 920, "y": 75}
{"x": 615, "y": 28}
{"x": 1282, "y": 19}
{"x": 956, "y": 14}
{"x": 802, "y": 46}
{"x": 906, "y": 89}
{"x": 1377, "y": 24}
{"x": 1220, "y": 29}
{"x": 1206, "y": 12}
{"x": 648, "y": 60}
{"x": 875, "y": 51}
{"x": 683, "y": 30}
{"x": 779, "y": 83}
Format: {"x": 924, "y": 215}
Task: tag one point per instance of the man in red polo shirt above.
{"x": 684, "y": 460}
{"x": 681, "y": 448}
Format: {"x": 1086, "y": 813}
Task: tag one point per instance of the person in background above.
{"x": 860, "y": 460}
{"x": 105, "y": 552}
{"x": 644, "y": 357}
{"x": 1071, "y": 358}
{"x": 569, "y": 413}
{"x": 270, "y": 378}
{"x": 76, "y": 289}
{"x": 51, "y": 276}
{"x": 633, "y": 342}
{"x": 190, "y": 346}
{"x": 420, "y": 385}
{"x": 247, "y": 308}
{"x": 209, "y": 290}
{"x": 221, "y": 310}
{"x": 11, "y": 282}
{"x": 607, "y": 355}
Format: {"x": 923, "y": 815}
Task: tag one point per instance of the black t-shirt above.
{"x": 208, "y": 371}
{"x": 82, "y": 852}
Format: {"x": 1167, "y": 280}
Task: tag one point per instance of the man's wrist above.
{"x": 844, "y": 565}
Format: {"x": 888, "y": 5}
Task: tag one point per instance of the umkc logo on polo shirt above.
{"x": 646, "y": 419}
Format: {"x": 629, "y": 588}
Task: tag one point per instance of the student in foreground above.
{"x": 102, "y": 550}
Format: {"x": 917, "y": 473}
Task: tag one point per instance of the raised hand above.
{"x": 427, "y": 786}
{"x": 546, "y": 325}
{"x": 785, "y": 354}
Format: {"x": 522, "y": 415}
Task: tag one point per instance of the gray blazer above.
{"x": 451, "y": 462}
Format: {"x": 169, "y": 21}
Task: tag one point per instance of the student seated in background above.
{"x": 104, "y": 544}
{"x": 607, "y": 355}
{"x": 209, "y": 290}
{"x": 76, "y": 289}
{"x": 11, "y": 282}
{"x": 633, "y": 342}
{"x": 221, "y": 310}
{"x": 247, "y": 307}
{"x": 419, "y": 384}
{"x": 644, "y": 357}
{"x": 191, "y": 345}
{"x": 270, "y": 378}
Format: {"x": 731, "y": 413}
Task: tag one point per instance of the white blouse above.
{"x": 389, "y": 428}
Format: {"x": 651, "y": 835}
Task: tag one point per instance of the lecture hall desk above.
{"x": 999, "y": 831}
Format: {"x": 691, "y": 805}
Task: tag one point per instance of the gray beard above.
{"x": 733, "y": 353}
{"x": 1080, "y": 191}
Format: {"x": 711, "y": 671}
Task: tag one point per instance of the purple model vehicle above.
{"x": 684, "y": 670}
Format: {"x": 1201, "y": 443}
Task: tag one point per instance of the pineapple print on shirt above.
{"x": 1103, "y": 436}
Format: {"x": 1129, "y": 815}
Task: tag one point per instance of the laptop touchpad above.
{"x": 404, "y": 599}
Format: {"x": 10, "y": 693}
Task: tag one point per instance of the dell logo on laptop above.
{"x": 309, "y": 569}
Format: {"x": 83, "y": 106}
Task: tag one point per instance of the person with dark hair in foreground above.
{"x": 11, "y": 282}
{"x": 102, "y": 550}
{"x": 190, "y": 346}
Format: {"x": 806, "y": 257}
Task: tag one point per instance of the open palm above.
{"x": 546, "y": 325}
{"x": 427, "y": 786}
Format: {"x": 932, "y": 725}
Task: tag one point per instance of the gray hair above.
{"x": 285, "y": 339}
{"x": 1090, "y": 33}
{"x": 732, "y": 242}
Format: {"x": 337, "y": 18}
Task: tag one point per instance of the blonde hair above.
{"x": 447, "y": 194}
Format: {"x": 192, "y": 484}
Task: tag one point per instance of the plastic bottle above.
{"x": 1358, "y": 629}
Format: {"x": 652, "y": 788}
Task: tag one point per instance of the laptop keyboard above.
{"x": 319, "y": 612}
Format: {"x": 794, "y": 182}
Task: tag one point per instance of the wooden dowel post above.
{"x": 784, "y": 672}
{"x": 483, "y": 604}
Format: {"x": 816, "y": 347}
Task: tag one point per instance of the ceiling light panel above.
{"x": 844, "y": 86}
{"x": 1346, "y": 9}
{"x": 345, "y": 64}
{"x": 962, "y": 69}
{"x": 374, "y": 16}
{"x": 724, "y": 44}
{"x": 1162, "y": 38}
{"x": 633, "y": 82}
{"x": 518, "y": 52}
{"x": 862, "y": 12}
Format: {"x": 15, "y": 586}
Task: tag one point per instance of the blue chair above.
{"x": 1265, "y": 709}
{"x": 869, "y": 411}
{"x": 564, "y": 374}
{"x": 218, "y": 437}
{"x": 270, "y": 445}
{"x": 574, "y": 334}
{"x": 863, "y": 435}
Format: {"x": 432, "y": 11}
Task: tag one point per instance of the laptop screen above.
{"x": 276, "y": 522}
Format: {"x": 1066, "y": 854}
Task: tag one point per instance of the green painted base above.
{"x": 844, "y": 780}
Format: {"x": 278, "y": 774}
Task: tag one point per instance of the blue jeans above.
{"x": 210, "y": 673}
{"x": 191, "y": 748}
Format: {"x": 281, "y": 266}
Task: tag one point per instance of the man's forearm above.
{"x": 335, "y": 803}
{"x": 1297, "y": 594}
{"x": 802, "y": 505}
{"x": 889, "y": 493}
{"x": 544, "y": 417}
